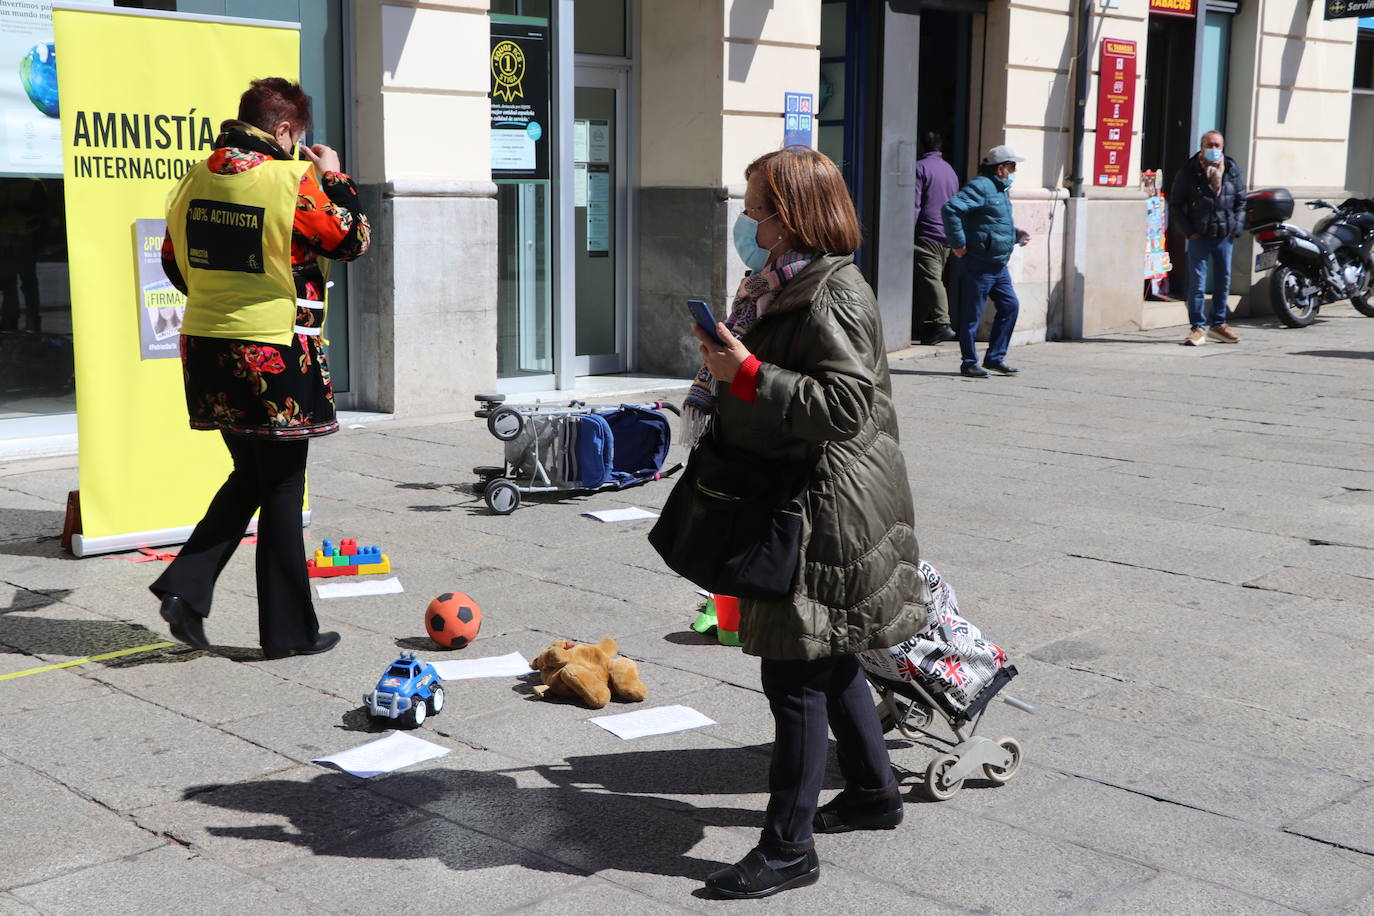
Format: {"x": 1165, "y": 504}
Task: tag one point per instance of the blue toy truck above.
{"x": 409, "y": 690}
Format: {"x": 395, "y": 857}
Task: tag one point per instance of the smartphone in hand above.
{"x": 702, "y": 313}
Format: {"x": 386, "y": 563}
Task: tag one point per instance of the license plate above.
{"x": 1266, "y": 259}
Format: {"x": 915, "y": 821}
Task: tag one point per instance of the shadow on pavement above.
{"x": 1335, "y": 354}
{"x": 563, "y": 828}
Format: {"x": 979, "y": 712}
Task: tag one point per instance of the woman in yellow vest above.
{"x": 246, "y": 232}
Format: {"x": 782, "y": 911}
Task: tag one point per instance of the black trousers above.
{"x": 805, "y": 696}
{"x": 268, "y": 476}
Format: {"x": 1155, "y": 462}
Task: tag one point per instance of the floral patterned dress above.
{"x": 262, "y": 390}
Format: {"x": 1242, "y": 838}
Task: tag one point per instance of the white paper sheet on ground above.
{"x": 512, "y": 665}
{"x": 629, "y": 514}
{"x": 657, "y": 721}
{"x": 355, "y": 587}
{"x": 394, "y": 751}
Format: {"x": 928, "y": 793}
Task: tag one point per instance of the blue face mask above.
{"x": 747, "y": 246}
{"x": 1212, "y": 155}
{"x": 1011, "y": 177}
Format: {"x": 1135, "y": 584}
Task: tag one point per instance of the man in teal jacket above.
{"x": 979, "y": 227}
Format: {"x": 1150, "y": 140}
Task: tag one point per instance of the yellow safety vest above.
{"x": 232, "y": 238}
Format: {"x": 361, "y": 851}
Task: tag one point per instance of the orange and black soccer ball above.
{"x": 453, "y": 620}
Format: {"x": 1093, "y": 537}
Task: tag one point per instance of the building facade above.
{"x": 549, "y": 180}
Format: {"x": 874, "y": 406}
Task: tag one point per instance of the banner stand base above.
{"x": 82, "y": 546}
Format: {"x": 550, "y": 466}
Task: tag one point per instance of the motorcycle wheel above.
{"x": 1362, "y": 305}
{"x": 1294, "y": 310}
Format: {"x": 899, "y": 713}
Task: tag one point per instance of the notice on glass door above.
{"x": 580, "y": 140}
{"x": 598, "y": 210}
{"x": 598, "y": 141}
{"x": 579, "y": 184}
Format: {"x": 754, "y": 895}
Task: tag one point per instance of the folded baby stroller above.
{"x": 570, "y": 448}
{"x": 952, "y": 670}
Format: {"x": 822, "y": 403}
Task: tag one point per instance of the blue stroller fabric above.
{"x": 619, "y": 448}
{"x": 642, "y": 438}
{"x": 593, "y": 451}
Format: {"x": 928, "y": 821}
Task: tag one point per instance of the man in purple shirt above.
{"x": 936, "y": 183}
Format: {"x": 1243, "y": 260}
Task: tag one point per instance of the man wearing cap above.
{"x": 979, "y": 227}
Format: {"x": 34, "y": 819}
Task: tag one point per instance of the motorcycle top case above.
{"x": 1266, "y": 206}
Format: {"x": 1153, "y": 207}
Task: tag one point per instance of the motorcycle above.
{"x": 1332, "y": 262}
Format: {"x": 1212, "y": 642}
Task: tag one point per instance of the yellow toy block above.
{"x": 368, "y": 569}
{"x": 322, "y": 561}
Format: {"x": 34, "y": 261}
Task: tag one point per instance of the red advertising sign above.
{"x": 1115, "y": 112}
{"x": 1174, "y": 8}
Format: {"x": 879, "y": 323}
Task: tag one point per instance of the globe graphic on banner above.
{"x": 38, "y": 73}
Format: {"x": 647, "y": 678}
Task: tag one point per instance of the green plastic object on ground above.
{"x": 707, "y": 620}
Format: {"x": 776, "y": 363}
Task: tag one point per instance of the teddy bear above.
{"x": 588, "y": 672}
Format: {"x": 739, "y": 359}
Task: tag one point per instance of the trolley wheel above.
{"x": 489, "y": 398}
{"x": 501, "y": 496}
{"x": 937, "y": 788}
{"x": 488, "y": 471}
{"x": 505, "y": 423}
{"x": 1002, "y": 774}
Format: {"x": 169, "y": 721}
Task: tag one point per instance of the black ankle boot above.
{"x": 839, "y": 815}
{"x": 187, "y": 626}
{"x": 752, "y": 877}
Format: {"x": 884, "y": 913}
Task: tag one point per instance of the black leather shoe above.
{"x": 186, "y": 625}
{"x": 839, "y": 816}
{"x": 751, "y": 877}
{"x": 938, "y": 336}
{"x": 1003, "y": 368}
{"x": 323, "y": 643}
{"x": 973, "y": 372}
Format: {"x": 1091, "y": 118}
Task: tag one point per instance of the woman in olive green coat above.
{"x": 802, "y": 372}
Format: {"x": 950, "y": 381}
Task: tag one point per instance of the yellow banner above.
{"x": 132, "y": 124}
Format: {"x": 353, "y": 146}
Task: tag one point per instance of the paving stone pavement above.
{"x": 1174, "y": 545}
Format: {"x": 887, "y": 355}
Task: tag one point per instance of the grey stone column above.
{"x": 427, "y": 303}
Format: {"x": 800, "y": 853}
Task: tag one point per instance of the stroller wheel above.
{"x": 489, "y": 398}
{"x": 1001, "y": 774}
{"x": 505, "y": 423}
{"x": 501, "y": 496}
{"x": 937, "y": 786}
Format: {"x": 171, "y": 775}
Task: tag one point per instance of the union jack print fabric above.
{"x": 950, "y": 657}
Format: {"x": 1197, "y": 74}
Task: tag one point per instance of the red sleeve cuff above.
{"x": 746, "y": 383}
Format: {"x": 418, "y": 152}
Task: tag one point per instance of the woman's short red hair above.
{"x": 809, "y": 194}
{"x": 269, "y": 101}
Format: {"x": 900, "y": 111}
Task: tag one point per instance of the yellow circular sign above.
{"x": 508, "y": 69}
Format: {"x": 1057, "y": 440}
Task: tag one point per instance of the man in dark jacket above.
{"x": 936, "y": 183}
{"x": 978, "y": 224}
{"x": 1207, "y": 205}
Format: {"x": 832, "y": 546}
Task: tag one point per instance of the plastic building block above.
{"x": 369, "y": 569}
{"x": 347, "y": 559}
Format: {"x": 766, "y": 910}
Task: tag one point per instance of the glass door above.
{"x": 600, "y": 217}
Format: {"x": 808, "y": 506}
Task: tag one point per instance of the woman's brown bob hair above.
{"x": 810, "y": 198}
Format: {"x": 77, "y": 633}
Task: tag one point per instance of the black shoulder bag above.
{"x": 733, "y": 524}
